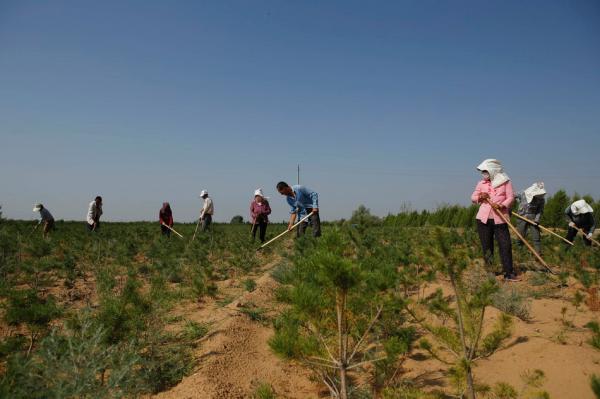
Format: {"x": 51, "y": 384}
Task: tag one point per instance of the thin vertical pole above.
{"x": 298, "y": 174}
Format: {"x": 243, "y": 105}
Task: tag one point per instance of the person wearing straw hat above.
{"x": 494, "y": 190}
{"x": 531, "y": 206}
{"x": 303, "y": 201}
{"x": 46, "y": 218}
{"x": 580, "y": 215}
{"x": 207, "y": 211}
{"x": 165, "y": 218}
{"x": 259, "y": 214}
{"x": 94, "y": 213}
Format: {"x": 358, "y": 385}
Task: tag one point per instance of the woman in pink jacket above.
{"x": 259, "y": 214}
{"x": 494, "y": 191}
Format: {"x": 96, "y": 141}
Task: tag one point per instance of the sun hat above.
{"x": 37, "y": 207}
{"x": 534, "y": 190}
{"x": 581, "y": 207}
{"x": 203, "y": 193}
{"x": 494, "y": 168}
{"x": 259, "y": 191}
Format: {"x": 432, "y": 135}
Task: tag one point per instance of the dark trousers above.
{"x": 261, "y": 226}
{"x": 572, "y": 233}
{"x": 314, "y": 221}
{"x": 487, "y": 232}
{"x": 206, "y": 222}
{"x": 91, "y": 226}
{"x": 165, "y": 230}
{"x": 523, "y": 227}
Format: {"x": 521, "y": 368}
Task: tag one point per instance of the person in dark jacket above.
{"x": 531, "y": 206}
{"x": 259, "y": 214}
{"x": 580, "y": 215}
{"x": 165, "y": 217}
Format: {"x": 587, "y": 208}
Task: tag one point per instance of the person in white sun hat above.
{"x": 46, "y": 218}
{"x": 531, "y": 206}
{"x": 494, "y": 190}
{"x": 580, "y": 215}
{"x": 207, "y": 211}
{"x": 259, "y": 214}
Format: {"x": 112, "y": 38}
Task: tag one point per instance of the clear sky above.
{"x": 382, "y": 103}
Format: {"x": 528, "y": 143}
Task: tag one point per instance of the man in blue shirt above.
{"x": 303, "y": 201}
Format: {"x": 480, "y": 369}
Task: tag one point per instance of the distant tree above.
{"x": 363, "y": 216}
{"x": 237, "y": 219}
{"x": 554, "y": 211}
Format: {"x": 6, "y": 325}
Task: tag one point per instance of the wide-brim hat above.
{"x": 37, "y": 207}
{"x": 259, "y": 191}
{"x": 203, "y": 193}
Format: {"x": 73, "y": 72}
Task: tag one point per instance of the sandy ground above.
{"x": 235, "y": 357}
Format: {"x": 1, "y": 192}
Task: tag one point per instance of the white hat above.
{"x": 581, "y": 207}
{"x": 534, "y": 190}
{"x": 259, "y": 191}
{"x": 494, "y": 168}
{"x": 37, "y": 207}
{"x": 203, "y": 193}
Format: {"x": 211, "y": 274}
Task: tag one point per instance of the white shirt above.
{"x": 93, "y": 212}
{"x": 208, "y": 208}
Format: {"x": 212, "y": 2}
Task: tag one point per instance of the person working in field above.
{"x": 207, "y": 211}
{"x": 531, "y": 206}
{"x": 259, "y": 214}
{"x": 165, "y": 218}
{"x": 94, "y": 213}
{"x": 580, "y": 215}
{"x": 495, "y": 195}
{"x": 46, "y": 219}
{"x": 303, "y": 202}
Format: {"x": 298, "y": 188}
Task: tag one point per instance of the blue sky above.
{"x": 381, "y": 103}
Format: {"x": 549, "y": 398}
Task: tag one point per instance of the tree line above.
{"x": 464, "y": 216}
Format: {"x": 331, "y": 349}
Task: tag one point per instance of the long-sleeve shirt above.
{"x": 304, "y": 199}
{"x": 165, "y": 218}
{"x": 94, "y": 212}
{"x": 208, "y": 208}
{"x": 503, "y": 195}
{"x": 531, "y": 210}
{"x": 260, "y": 211}
{"x": 45, "y": 215}
{"x": 585, "y": 221}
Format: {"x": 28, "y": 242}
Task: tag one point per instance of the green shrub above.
{"x": 264, "y": 391}
{"x": 249, "y": 285}
{"x": 511, "y": 300}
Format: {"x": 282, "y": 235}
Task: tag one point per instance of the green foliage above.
{"x": 237, "y": 219}
{"x": 554, "y": 210}
{"x": 193, "y": 330}
{"x": 123, "y": 315}
{"x": 461, "y": 342}
{"x": 249, "y": 285}
{"x": 362, "y": 216}
{"x": 511, "y": 300}
{"x": 595, "y": 385}
{"x": 595, "y": 339}
{"x": 72, "y": 365}
{"x": 263, "y": 391}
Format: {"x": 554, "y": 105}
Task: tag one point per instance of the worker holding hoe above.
{"x": 580, "y": 216}
{"x": 165, "y": 218}
{"x": 46, "y": 219}
{"x": 531, "y": 206}
{"x": 94, "y": 213}
{"x": 207, "y": 211}
{"x": 303, "y": 202}
{"x": 495, "y": 195}
{"x": 259, "y": 214}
